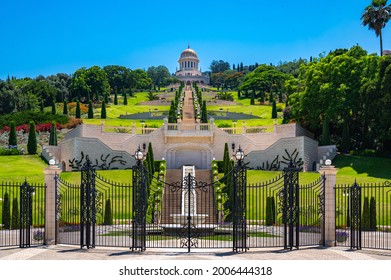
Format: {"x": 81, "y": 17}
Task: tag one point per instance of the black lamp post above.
{"x": 239, "y": 155}
{"x": 139, "y": 155}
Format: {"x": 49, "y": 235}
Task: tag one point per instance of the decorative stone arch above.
{"x": 198, "y": 155}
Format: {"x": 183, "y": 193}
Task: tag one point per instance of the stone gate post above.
{"x": 50, "y": 202}
{"x": 330, "y": 173}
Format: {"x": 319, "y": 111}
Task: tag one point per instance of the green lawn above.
{"x": 19, "y": 168}
{"x": 350, "y": 168}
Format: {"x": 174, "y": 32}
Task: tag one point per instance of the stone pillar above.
{"x": 50, "y": 202}
{"x": 330, "y": 173}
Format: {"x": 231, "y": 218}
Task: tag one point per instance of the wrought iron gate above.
{"x": 363, "y": 217}
{"x": 22, "y": 210}
{"x": 284, "y": 213}
{"x": 96, "y": 212}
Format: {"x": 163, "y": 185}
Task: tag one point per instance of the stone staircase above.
{"x": 172, "y": 197}
{"x": 326, "y": 152}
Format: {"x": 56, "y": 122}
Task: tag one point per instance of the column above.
{"x": 50, "y": 202}
{"x": 330, "y": 173}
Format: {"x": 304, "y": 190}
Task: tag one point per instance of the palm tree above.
{"x": 376, "y": 17}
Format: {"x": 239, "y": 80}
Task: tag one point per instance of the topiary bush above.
{"x": 15, "y": 214}
{"x": 108, "y": 218}
{"x": 365, "y": 223}
{"x": 270, "y": 211}
{"x": 6, "y": 212}
{"x": 372, "y": 214}
{"x": 32, "y": 140}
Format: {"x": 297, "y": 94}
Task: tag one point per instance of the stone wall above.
{"x": 185, "y": 147}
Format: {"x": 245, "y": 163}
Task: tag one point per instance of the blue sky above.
{"x": 49, "y": 37}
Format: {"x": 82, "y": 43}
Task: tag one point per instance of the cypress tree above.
{"x": 15, "y": 214}
{"x": 53, "y": 135}
{"x": 274, "y": 110}
{"x": 365, "y": 214}
{"x": 228, "y": 205}
{"x": 12, "y": 139}
{"x": 106, "y": 98}
{"x": 271, "y": 97}
{"x": 108, "y": 219}
{"x": 238, "y": 93}
{"x": 90, "y": 110}
{"x": 345, "y": 144}
{"x": 41, "y": 106}
{"x": 115, "y": 98}
{"x": 125, "y": 99}
{"x": 325, "y": 140}
{"x": 103, "y": 111}
{"x": 226, "y": 158}
{"x": 6, "y": 214}
{"x": 78, "y": 112}
{"x": 269, "y": 219}
{"x": 151, "y": 159}
{"x": 65, "y": 108}
{"x": 53, "y": 108}
{"x": 32, "y": 140}
{"x": 204, "y": 114}
{"x": 372, "y": 214}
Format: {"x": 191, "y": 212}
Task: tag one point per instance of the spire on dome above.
{"x": 188, "y": 46}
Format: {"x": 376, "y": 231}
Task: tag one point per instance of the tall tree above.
{"x": 78, "y": 111}
{"x": 6, "y": 212}
{"x": 53, "y": 135}
{"x": 12, "y": 139}
{"x": 219, "y": 66}
{"x": 90, "y": 110}
{"x": 274, "y": 110}
{"x": 65, "y": 108}
{"x": 103, "y": 111}
{"x": 32, "y": 140}
{"x": 376, "y": 16}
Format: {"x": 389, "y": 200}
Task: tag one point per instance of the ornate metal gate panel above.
{"x": 240, "y": 208}
{"x": 98, "y": 212}
{"x": 363, "y": 216}
{"x": 139, "y": 207}
{"x": 88, "y": 206}
{"x": 22, "y": 219}
{"x": 290, "y": 207}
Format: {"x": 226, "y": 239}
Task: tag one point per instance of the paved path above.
{"x": 63, "y": 252}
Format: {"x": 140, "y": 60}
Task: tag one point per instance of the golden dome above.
{"x": 189, "y": 53}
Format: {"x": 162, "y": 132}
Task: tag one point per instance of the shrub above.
{"x": 12, "y": 140}
{"x": 6, "y": 214}
{"x": 274, "y": 110}
{"x": 270, "y": 211}
{"x": 108, "y": 219}
{"x": 366, "y": 215}
{"x": 53, "y": 135}
{"x": 65, "y": 108}
{"x": 103, "y": 112}
{"x": 90, "y": 110}
{"x": 15, "y": 214}
{"x": 10, "y": 152}
{"x": 78, "y": 110}
{"x": 32, "y": 140}
{"x": 372, "y": 214}
{"x": 24, "y": 117}
{"x": 341, "y": 236}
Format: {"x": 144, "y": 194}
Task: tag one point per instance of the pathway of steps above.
{"x": 172, "y": 197}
